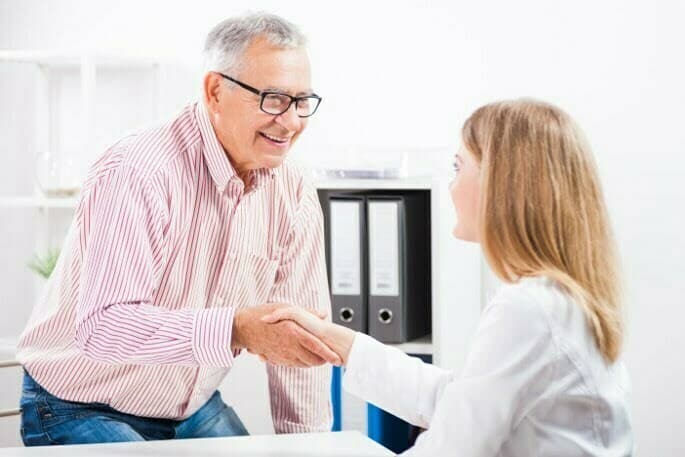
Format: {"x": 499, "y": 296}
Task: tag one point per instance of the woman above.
{"x": 542, "y": 377}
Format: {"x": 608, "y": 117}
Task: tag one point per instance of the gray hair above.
{"x": 229, "y": 39}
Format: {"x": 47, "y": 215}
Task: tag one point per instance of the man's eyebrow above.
{"x": 280, "y": 90}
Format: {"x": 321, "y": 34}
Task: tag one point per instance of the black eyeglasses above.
{"x": 276, "y": 103}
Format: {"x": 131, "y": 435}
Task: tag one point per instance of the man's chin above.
{"x": 272, "y": 160}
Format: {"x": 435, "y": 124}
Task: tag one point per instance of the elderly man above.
{"x": 185, "y": 235}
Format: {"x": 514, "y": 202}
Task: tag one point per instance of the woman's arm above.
{"x": 511, "y": 364}
{"x": 380, "y": 374}
{"x": 404, "y": 386}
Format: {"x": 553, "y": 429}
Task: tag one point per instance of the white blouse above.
{"x": 534, "y": 384}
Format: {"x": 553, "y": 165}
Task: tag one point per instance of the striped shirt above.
{"x": 166, "y": 243}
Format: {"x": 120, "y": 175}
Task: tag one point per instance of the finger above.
{"x": 277, "y": 315}
{"x": 297, "y": 315}
{"x": 309, "y": 358}
{"x": 307, "y": 321}
{"x": 316, "y": 346}
{"x": 321, "y": 314}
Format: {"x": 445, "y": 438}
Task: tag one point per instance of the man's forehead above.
{"x": 275, "y": 68}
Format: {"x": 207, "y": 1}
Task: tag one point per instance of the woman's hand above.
{"x": 336, "y": 337}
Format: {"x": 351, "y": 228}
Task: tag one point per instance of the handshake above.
{"x": 290, "y": 336}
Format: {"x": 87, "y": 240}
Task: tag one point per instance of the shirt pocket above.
{"x": 247, "y": 279}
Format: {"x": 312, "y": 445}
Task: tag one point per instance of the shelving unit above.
{"x": 72, "y": 90}
{"x": 455, "y": 299}
{"x": 48, "y": 63}
{"x": 55, "y": 65}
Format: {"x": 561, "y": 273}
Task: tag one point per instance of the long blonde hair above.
{"x": 542, "y": 208}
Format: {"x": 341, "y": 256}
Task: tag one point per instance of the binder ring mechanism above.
{"x": 346, "y": 315}
{"x": 385, "y": 315}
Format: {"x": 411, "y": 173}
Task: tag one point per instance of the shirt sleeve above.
{"x": 410, "y": 394}
{"x": 122, "y": 249}
{"x": 472, "y": 413}
{"x": 300, "y": 397}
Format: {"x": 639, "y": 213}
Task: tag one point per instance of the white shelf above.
{"x": 419, "y": 346}
{"x": 38, "y": 202}
{"x": 414, "y": 182}
{"x": 63, "y": 58}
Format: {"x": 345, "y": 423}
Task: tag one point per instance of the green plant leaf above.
{"x": 44, "y": 266}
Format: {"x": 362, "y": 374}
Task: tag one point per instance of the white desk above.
{"x": 348, "y": 444}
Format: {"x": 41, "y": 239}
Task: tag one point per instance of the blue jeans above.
{"x": 46, "y": 420}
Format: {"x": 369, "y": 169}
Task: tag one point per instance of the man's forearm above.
{"x": 134, "y": 334}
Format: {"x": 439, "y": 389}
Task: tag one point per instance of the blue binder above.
{"x": 336, "y": 398}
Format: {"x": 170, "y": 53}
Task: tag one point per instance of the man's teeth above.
{"x": 275, "y": 138}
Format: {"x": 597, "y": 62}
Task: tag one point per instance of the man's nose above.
{"x": 290, "y": 119}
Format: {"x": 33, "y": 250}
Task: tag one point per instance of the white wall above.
{"x": 405, "y": 74}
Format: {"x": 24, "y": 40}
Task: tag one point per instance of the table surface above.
{"x": 349, "y": 444}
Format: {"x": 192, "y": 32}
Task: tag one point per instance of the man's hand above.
{"x": 283, "y": 343}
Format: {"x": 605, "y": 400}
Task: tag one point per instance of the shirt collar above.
{"x": 217, "y": 161}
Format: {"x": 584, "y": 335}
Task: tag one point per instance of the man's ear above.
{"x": 212, "y": 90}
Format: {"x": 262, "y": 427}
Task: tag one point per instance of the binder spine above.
{"x": 345, "y": 221}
